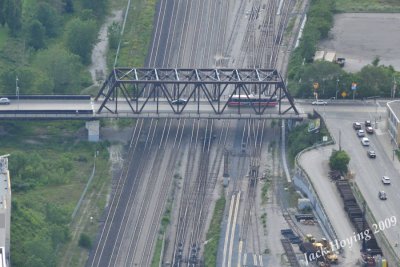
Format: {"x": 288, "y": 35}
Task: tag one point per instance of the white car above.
{"x": 4, "y": 101}
{"x": 319, "y": 102}
{"x": 365, "y": 141}
{"x": 360, "y": 133}
{"x": 385, "y": 180}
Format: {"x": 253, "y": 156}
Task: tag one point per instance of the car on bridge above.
{"x": 4, "y": 101}
{"x": 319, "y": 102}
{"x": 179, "y": 101}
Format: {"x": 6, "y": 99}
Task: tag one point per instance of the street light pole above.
{"x": 337, "y": 87}
{"x": 17, "y": 90}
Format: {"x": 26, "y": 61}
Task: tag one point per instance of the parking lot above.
{"x": 360, "y": 37}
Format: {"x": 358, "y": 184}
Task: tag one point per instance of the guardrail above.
{"x": 44, "y": 111}
{"x": 303, "y": 173}
{"x": 55, "y": 97}
{"x": 371, "y": 220}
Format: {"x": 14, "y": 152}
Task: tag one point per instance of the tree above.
{"x": 49, "y": 18}
{"x": 339, "y": 160}
{"x": 113, "y": 35}
{"x": 13, "y": 15}
{"x": 68, "y": 6}
{"x": 2, "y": 18}
{"x": 62, "y": 67}
{"x": 99, "y": 7}
{"x": 80, "y": 38}
{"x": 36, "y": 34}
{"x": 85, "y": 241}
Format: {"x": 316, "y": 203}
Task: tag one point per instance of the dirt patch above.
{"x": 360, "y": 37}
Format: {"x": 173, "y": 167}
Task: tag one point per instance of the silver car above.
{"x": 4, "y": 101}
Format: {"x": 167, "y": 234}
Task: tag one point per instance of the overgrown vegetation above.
{"x": 49, "y": 165}
{"x": 339, "y": 160}
{"x": 373, "y": 80}
{"x": 389, "y": 6}
{"x": 137, "y": 35}
{"x": 47, "y": 44}
{"x": 213, "y": 234}
{"x": 300, "y": 138}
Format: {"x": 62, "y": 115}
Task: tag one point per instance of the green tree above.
{"x": 68, "y": 6}
{"x": 36, "y": 33}
{"x": 114, "y": 34}
{"x": 13, "y": 15}
{"x": 2, "y": 18}
{"x": 48, "y": 16}
{"x": 375, "y": 81}
{"x": 62, "y": 67}
{"x": 85, "y": 241}
{"x": 339, "y": 160}
{"x": 99, "y": 7}
{"x": 81, "y": 37}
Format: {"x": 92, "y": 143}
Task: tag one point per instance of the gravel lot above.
{"x": 360, "y": 37}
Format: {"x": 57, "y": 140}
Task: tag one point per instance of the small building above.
{"x": 330, "y": 57}
{"x": 319, "y": 55}
{"x": 393, "y": 122}
{"x": 5, "y": 211}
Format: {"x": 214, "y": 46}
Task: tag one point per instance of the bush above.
{"x": 339, "y": 160}
{"x": 85, "y": 241}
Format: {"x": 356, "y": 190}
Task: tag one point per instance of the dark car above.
{"x": 368, "y": 123}
{"x": 371, "y": 154}
{"x": 356, "y": 125}
{"x": 382, "y": 195}
{"x": 369, "y": 130}
{"x": 179, "y": 101}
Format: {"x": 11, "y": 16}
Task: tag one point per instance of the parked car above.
{"x": 371, "y": 154}
{"x": 369, "y": 130}
{"x": 4, "y": 101}
{"x": 179, "y": 101}
{"x": 382, "y": 195}
{"x": 360, "y": 133}
{"x": 386, "y": 180}
{"x": 368, "y": 123}
{"x": 356, "y": 125}
{"x": 365, "y": 141}
{"x": 319, "y": 102}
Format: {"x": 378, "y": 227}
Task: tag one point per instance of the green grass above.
{"x": 157, "y": 253}
{"x": 264, "y": 191}
{"x": 213, "y": 234}
{"x": 51, "y": 143}
{"x": 347, "y": 6}
{"x": 137, "y": 35}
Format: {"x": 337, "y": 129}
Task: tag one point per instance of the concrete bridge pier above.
{"x": 93, "y": 128}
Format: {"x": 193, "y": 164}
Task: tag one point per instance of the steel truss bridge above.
{"x": 151, "y": 90}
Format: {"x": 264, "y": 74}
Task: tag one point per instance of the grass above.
{"x": 390, "y": 6}
{"x": 137, "y": 35}
{"x": 264, "y": 191}
{"x": 157, "y": 253}
{"x": 213, "y": 234}
{"x": 53, "y": 141}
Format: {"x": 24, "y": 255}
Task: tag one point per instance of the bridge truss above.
{"x": 141, "y": 86}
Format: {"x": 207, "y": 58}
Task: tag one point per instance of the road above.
{"x": 368, "y": 172}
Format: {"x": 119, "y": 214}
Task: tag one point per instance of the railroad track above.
{"x": 194, "y": 200}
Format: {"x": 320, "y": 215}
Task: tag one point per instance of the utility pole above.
{"x": 17, "y": 90}
{"x": 340, "y": 144}
{"x": 394, "y": 87}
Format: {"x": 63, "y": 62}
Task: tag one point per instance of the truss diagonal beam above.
{"x": 141, "y": 85}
